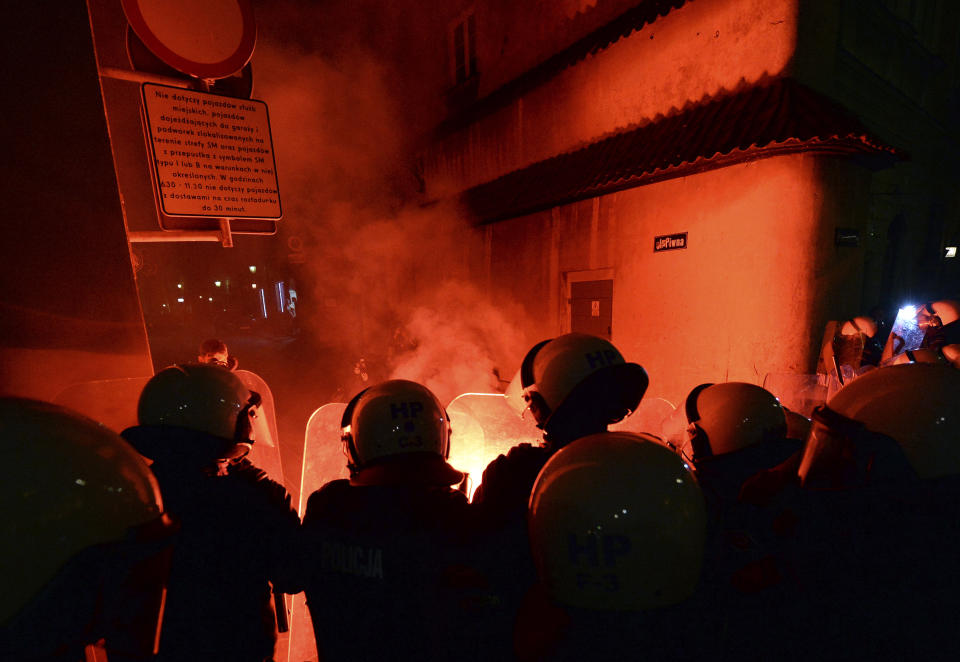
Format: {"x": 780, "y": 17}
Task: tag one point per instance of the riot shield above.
{"x": 323, "y": 461}
{"x": 800, "y": 392}
{"x": 266, "y": 451}
{"x": 906, "y": 334}
{"x": 484, "y": 425}
{"x": 649, "y": 417}
{"x": 112, "y": 402}
{"x": 323, "y": 458}
{"x": 265, "y": 454}
{"x": 840, "y": 354}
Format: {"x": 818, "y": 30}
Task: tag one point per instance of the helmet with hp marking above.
{"x": 396, "y": 419}
{"x": 617, "y": 521}
{"x": 579, "y": 372}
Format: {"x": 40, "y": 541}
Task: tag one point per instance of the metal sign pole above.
{"x": 226, "y": 238}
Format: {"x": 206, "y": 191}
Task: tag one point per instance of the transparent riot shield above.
{"x": 112, "y": 402}
{"x": 323, "y": 458}
{"x": 848, "y": 350}
{"x": 266, "y": 451}
{"x": 801, "y": 392}
{"x": 265, "y": 454}
{"x": 323, "y": 461}
{"x": 906, "y": 334}
{"x": 484, "y": 425}
{"x": 825, "y": 362}
{"x": 648, "y": 417}
{"x": 840, "y": 354}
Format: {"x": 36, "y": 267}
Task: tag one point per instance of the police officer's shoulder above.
{"x": 329, "y": 495}
{"x": 250, "y": 473}
{"x": 331, "y": 488}
{"x": 257, "y": 480}
{"x": 519, "y": 466}
{"x": 247, "y": 470}
{"x": 757, "y": 456}
{"x": 526, "y": 451}
{"x": 519, "y": 454}
{"x": 448, "y": 499}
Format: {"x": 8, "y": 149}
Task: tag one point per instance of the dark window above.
{"x": 459, "y": 53}
{"x": 472, "y": 44}
{"x": 464, "y": 49}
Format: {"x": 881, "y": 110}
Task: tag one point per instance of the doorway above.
{"x": 590, "y": 302}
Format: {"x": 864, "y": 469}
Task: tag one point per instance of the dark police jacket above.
{"x": 507, "y": 481}
{"x": 381, "y": 566}
{"x": 235, "y": 530}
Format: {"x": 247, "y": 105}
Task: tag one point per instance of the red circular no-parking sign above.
{"x": 209, "y": 39}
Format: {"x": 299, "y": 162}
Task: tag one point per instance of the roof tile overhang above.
{"x": 775, "y": 117}
{"x": 635, "y": 18}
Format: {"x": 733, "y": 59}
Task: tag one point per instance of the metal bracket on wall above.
{"x": 144, "y": 77}
{"x": 224, "y": 235}
{"x": 160, "y": 236}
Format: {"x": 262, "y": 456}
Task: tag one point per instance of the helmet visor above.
{"x": 828, "y": 456}
{"x": 252, "y": 424}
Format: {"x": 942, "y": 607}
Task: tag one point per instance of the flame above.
{"x": 483, "y": 426}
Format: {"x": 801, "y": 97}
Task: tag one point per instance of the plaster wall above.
{"x": 760, "y": 270}
{"x": 701, "y": 49}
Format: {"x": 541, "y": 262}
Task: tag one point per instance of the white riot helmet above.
{"x": 396, "y": 419}
{"x": 199, "y": 398}
{"x": 87, "y": 539}
{"x": 723, "y": 418}
{"x": 922, "y": 355}
{"x": 914, "y": 407}
{"x": 581, "y": 369}
{"x": 951, "y": 354}
{"x": 860, "y": 324}
{"x": 939, "y": 313}
{"x": 617, "y": 522}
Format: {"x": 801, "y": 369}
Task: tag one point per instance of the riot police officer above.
{"x": 617, "y": 532}
{"x": 197, "y": 423}
{"x": 573, "y": 385}
{"x": 384, "y": 551}
{"x": 87, "y": 540}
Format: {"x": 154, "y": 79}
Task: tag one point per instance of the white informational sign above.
{"x": 212, "y": 155}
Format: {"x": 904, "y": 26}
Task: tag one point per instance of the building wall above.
{"x": 701, "y": 49}
{"x": 760, "y": 271}
{"x": 513, "y": 37}
{"x": 895, "y": 64}
{"x": 69, "y": 310}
